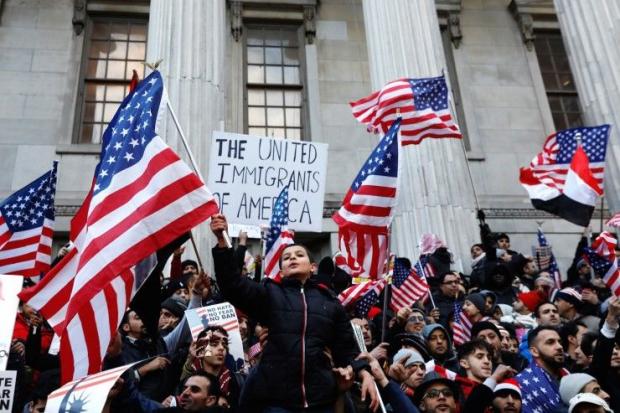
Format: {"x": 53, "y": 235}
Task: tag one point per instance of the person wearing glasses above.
{"x": 449, "y": 292}
{"x": 437, "y": 394}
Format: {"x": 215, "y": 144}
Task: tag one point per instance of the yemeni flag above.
{"x": 575, "y": 200}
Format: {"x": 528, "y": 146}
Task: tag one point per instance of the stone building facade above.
{"x": 518, "y": 70}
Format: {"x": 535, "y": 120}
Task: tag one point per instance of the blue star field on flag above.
{"x": 430, "y": 93}
{"x": 541, "y": 393}
{"x": 401, "y": 272}
{"x": 130, "y": 131}
{"x": 593, "y": 140}
{"x": 28, "y": 207}
{"x": 362, "y": 307}
{"x": 279, "y": 218}
{"x": 383, "y": 161}
{"x": 599, "y": 264}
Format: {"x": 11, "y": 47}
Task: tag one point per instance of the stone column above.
{"x": 591, "y": 33}
{"x": 436, "y": 196}
{"x": 190, "y": 36}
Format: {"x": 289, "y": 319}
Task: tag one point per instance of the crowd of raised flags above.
{"x": 143, "y": 198}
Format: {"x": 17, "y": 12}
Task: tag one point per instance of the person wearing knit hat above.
{"x": 588, "y": 403}
{"x": 474, "y": 307}
{"x": 507, "y": 397}
{"x": 569, "y": 302}
{"x": 530, "y": 300}
{"x": 490, "y": 333}
{"x": 573, "y": 384}
{"x": 171, "y": 313}
{"x": 408, "y": 368}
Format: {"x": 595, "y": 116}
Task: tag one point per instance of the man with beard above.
{"x": 540, "y": 381}
{"x": 439, "y": 346}
{"x": 507, "y": 397}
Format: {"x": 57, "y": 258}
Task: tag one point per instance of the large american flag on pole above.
{"x": 422, "y": 104}
{"x": 602, "y": 257}
{"x": 408, "y": 285}
{"x": 27, "y": 227}
{"x": 143, "y": 197}
{"x": 551, "y": 165}
{"x": 368, "y": 208}
{"x": 277, "y": 237}
{"x": 461, "y": 330}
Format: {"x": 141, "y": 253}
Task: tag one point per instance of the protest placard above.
{"x": 10, "y": 285}
{"x": 7, "y": 390}
{"x": 221, "y": 315}
{"x": 87, "y": 394}
{"x": 246, "y": 174}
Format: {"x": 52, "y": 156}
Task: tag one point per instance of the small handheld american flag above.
{"x": 27, "y": 227}
{"x": 408, "y": 285}
{"x": 602, "y": 257}
{"x": 462, "y": 326}
{"x": 277, "y": 237}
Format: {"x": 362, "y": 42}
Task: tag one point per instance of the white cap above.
{"x": 588, "y": 398}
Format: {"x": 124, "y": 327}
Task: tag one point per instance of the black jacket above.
{"x": 303, "y": 321}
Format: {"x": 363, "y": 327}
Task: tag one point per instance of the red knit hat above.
{"x": 508, "y": 384}
{"x": 531, "y": 299}
{"x": 373, "y": 312}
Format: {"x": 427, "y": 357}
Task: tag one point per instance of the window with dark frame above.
{"x": 274, "y": 84}
{"x": 558, "y": 80}
{"x": 115, "y": 47}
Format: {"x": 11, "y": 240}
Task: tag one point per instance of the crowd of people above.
{"x": 532, "y": 347}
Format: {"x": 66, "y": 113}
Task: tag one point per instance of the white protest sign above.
{"x": 10, "y": 286}
{"x": 220, "y": 315}
{"x": 247, "y": 173}
{"x": 253, "y": 231}
{"x": 87, "y": 394}
{"x": 7, "y": 390}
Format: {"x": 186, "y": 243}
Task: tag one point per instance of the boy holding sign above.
{"x": 304, "y": 321}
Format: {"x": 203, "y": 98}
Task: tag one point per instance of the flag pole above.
{"x": 196, "y": 170}
{"x": 471, "y": 179}
{"x": 602, "y": 209}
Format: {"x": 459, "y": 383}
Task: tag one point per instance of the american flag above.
{"x": 546, "y": 259}
{"x": 363, "y": 305}
{"x": 462, "y": 326}
{"x": 143, "y": 197}
{"x": 614, "y": 221}
{"x": 423, "y": 106}
{"x": 551, "y": 165}
{"x": 408, "y": 285}
{"x": 368, "y": 208}
{"x": 427, "y": 266}
{"x": 350, "y": 266}
{"x": 355, "y": 292}
{"x": 602, "y": 257}
{"x": 277, "y": 238}
{"x": 27, "y": 227}
{"x": 541, "y": 392}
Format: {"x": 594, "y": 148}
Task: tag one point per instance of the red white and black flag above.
{"x": 566, "y": 179}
